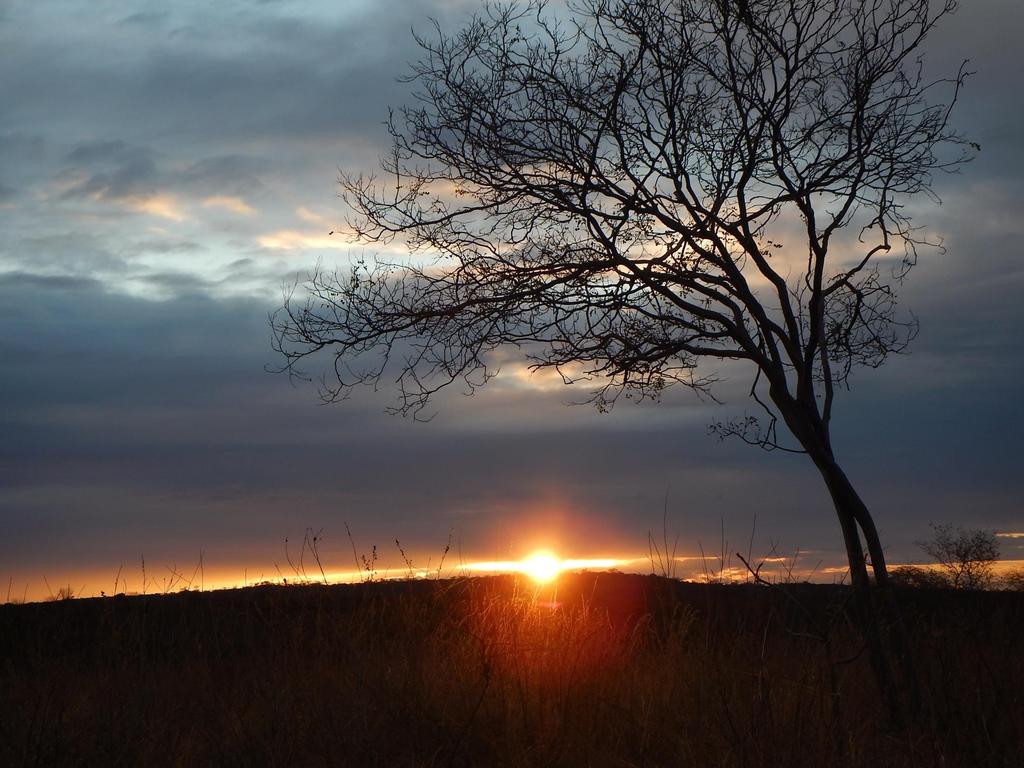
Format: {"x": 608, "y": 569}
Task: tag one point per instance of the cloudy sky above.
{"x": 165, "y": 168}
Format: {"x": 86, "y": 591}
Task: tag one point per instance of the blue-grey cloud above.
{"x": 164, "y": 169}
{"x": 115, "y": 170}
{"x": 160, "y": 406}
{"x": 145, "y": 18}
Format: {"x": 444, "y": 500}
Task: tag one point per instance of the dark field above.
{"x": 613, "y": 670}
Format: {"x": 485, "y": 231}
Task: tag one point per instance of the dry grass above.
{"x": 609, "y": 670}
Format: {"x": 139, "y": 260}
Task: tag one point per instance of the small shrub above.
{"x": 1013, "y": 580}
{"x": 915, "y": 576}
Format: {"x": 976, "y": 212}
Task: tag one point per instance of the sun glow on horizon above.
{"x": 542, "y": 567}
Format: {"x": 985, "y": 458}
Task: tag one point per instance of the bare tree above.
{"x": 967, "y": 556}
{"x": 634, "y": 186}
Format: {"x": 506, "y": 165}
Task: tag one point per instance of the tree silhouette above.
{"x": 634, "y": 186}
{"x": 966, "y": 556}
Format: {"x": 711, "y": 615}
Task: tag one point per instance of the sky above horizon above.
{"x": 166, "y": 169}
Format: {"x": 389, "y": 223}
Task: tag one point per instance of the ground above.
{"x": 600, "y": 669}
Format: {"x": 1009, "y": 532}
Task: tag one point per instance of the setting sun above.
{"x": 542, "y": 567}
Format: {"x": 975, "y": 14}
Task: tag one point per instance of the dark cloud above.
{"x": 21, "y": 280}
{"x": 107, "y": 151}
{"x": 276, "y": 95}
{"x": 113, "y": 170}
{"x": 145, "y": 19}
{"x": 312, "y": 75}
{"x": 155, "y": 416}
{"x": 21, "y": 156}
{"x": 68, "y": 253}
{"x": 14, "y": 145}
{"x": 177, "y": 283}
{"x": 234, "y": 174}
{"x": 169, "y": 246}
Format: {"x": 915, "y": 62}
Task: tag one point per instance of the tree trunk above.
{"x": 873, "y": 613}
{"x": 875, "y": 610}
{"x": 845, "y": 495}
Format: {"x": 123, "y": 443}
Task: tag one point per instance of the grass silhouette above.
{"x": 602, "y": 669}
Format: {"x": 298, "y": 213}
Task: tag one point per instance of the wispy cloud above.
{"x": 294, "y": 240}
{"x": 309, "y": 216}
{"x": 229, "y": 203}
{"x": 164, "y": 206}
